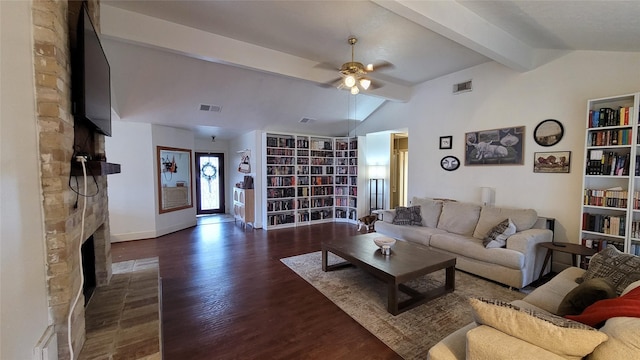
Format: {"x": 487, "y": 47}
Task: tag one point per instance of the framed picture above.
{"x": 174, "y": 179}
{"x": 548, "y": 133}
{"x": 495, "y": 147}
{"x": 450, "y": 163}
{"x": 446, "y": 142}
{"x": 552, "y": 162}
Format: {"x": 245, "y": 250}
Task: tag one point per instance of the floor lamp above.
{"x": 376, "y": 188}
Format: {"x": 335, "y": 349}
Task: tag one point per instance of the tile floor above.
{"x": 123, "y": 318}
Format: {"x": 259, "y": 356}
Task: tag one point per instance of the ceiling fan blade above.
{"x": 383, "y": 65}
{"x": 375, "y": 85}
{"x": 326, "y": 66}
{"x": 332, "y": 83}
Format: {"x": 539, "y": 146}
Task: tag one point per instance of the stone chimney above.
{"x": 54, "y": 23}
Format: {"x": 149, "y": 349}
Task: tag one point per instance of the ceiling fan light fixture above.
{"x": 369, "y": 67}
{"x": 365, "y": 83}
{"x": 355, "y": 90}
{"x": 350, "y": 81}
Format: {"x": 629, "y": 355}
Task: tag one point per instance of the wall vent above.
{"x": 213, "y": 108}
{"x": 305, "y": 120}
{"x": 462, "y": 87}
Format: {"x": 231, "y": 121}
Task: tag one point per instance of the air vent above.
{"x": 462, "y": 87}
{"x": 213, "y": 108}
{"x": 306, "y": 120}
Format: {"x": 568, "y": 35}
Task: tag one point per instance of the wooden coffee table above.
{"x": 407, "y": 262}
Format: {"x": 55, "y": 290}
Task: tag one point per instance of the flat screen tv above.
{"x": 92, "y": 77}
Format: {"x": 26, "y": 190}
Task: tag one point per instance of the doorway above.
{"x": 399, "y": 170}
{"x": 210, "y": 183}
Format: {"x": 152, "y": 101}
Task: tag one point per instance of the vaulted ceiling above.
{"x": 262, "y": 63}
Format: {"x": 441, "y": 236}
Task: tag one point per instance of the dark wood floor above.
{"x": 226, "y": 295}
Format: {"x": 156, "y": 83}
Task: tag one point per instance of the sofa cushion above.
{"x": 619, "y": 268}
{"x": 472, "y": 248}
{"x": 584, "y": 295}
{"x": 569, "y": 339}
{"x": 402, "y": 216}
{"x": 429, "y": 210}
{"x": 497, "y": 237}
{"x": 416, "y": 234}
{"x": 459, "y": 218}
{"x": 627, "y": 305}
{"x": 490, "y": 216}
{"x": 623, "y": 343}
{"x": 549, "y": 295}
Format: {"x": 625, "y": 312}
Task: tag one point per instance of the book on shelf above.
{"x": 601, "y": 162}
{"x": 604, "y": 224}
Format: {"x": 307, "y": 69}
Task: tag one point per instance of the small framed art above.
{"x": 552, "y": 162}
{"x": 445, "y": 142}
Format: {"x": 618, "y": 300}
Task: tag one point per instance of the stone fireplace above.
{"x": 54, "y": 21}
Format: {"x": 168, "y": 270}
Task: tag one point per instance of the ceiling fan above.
{"x": 354, "y": 75}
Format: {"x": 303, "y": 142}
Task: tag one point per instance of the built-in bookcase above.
{"x": 310, "y": 179}
{"x": 611, "y": 182}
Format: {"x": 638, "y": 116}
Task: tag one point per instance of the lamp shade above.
{"x": 377, "y": 171}
{"x": 355, "y": 90}
{"x": 365, "y": 83}
{"x": 486, "y": 196}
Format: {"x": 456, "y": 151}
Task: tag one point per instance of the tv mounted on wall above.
{"x": 91, "y": 77}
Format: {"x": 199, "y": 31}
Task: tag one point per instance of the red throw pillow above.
{"x": 627, "y": 305}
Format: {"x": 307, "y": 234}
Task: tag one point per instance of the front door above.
{"x": 210, "y": 183}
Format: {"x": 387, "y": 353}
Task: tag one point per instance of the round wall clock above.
{"x": 450, "y": 163}
{"x": 548, "y": 133}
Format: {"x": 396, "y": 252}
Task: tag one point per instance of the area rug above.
{"x": 412, "y": 333}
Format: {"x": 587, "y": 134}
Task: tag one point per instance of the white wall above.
{"x": 132, "y": 196}
{"x": 253, "y": 142}
{"x": 377, "y": 152}
{"x": 504, "y": 98}
{"x": 219, "y": 146}
{"x": 23, "y": 297}
{"x": 177, "y": 138}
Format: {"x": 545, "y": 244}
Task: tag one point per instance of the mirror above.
{"x": 174, "y": 179}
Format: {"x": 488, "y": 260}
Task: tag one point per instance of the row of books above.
{"x": 605, "y": 224}
{"x": 607, "y": 198}
{"x": 281, "y": 142}
{"x": 610, "y": 117}
{"x": 600, "y": 162}
{"x": 281, "y": 180}
{"x": 610, "y": 137}
{"x": 601, "y": 244}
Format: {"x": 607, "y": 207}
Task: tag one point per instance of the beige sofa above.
{"x": 459, "y": 228}
{"x": 515, "y": 338}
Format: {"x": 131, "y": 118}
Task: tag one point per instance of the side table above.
{"x": 573, "y": 249}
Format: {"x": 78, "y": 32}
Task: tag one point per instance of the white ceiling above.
{"x": 263, "y": 61}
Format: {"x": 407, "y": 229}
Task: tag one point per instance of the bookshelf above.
{"x": 310, "y": 179}
{"x": 611, "y": 181}
{"x": 281, "y": 180}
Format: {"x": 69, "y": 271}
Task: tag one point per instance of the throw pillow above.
{"x": 569, "y": 339}
{"x": 584, "y": 295}
{"x": 408, "y": 215}
{"x": 627, "y": 305}
{"x": 619, "y": 268}
{"x": 416, "y": 215}
{"x": 403, "y": 216}
{"x": 498, "y": 236}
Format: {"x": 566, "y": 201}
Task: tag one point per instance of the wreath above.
{"x": 209, "y": 171}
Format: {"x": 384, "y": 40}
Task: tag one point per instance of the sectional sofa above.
{"x": 461, "y": 229}
{"x": 603, "y": 302}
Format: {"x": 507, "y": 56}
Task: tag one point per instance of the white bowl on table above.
{"x": 384, "y": 240}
